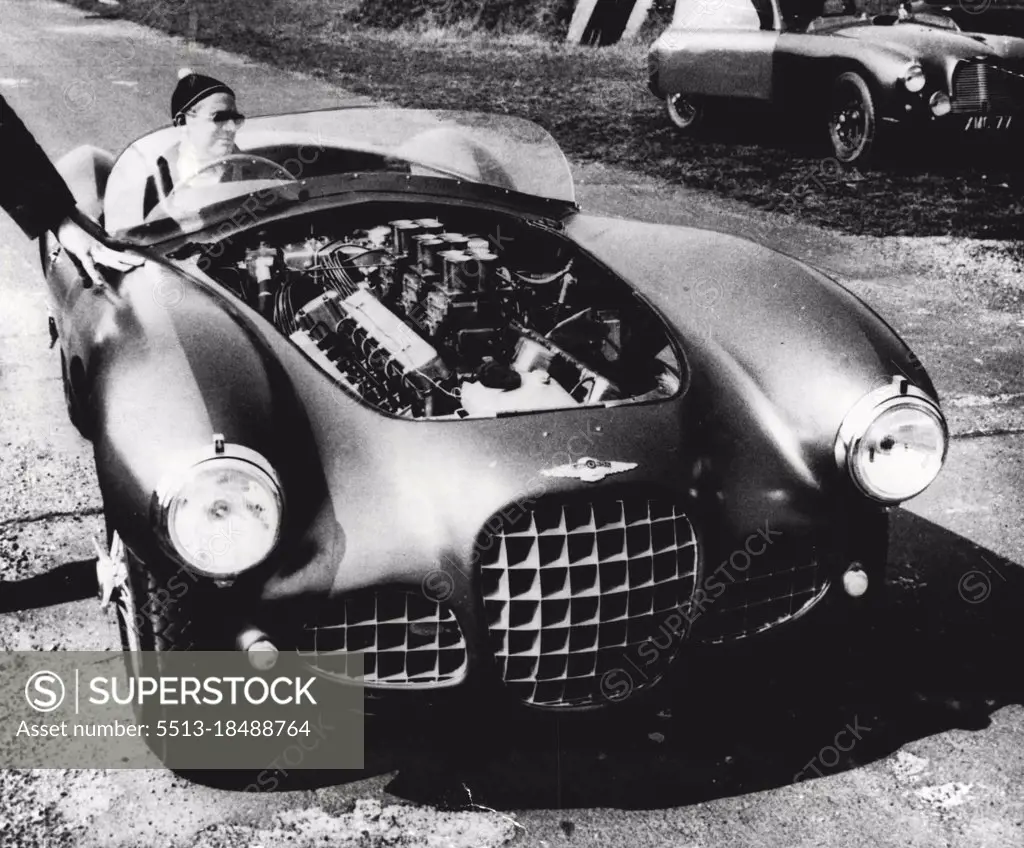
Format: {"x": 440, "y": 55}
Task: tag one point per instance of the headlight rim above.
{"x": 857, "y": 422}
{"x": 914, "y": 72}
{"x": 172, "y": 484}
{"x": 940, "y": 104}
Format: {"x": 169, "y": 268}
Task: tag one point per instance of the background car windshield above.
{"x": 497, "y": 150}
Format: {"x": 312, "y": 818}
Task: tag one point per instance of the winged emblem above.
{"x": 588, "y": 469}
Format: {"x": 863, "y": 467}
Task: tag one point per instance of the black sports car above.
{"x": 388, "y": 392}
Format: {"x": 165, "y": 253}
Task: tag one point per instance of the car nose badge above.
{"x": 588, "y": 469}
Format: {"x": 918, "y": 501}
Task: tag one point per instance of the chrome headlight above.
{"x": 913, "y": 78}
{"x": 893, "y": 442}
{"x": 940, "y": 104}
{"x": 221, "y": 515}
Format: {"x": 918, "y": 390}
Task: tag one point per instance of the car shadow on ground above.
{"x": 69, "y": 582}
{"x": 764, "y": 723}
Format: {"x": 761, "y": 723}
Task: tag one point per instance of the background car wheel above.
{"x": 685, "y": 112}
{"x": 852, "y": 123}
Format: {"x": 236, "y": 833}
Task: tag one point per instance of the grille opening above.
{"x": 984, "y": 87}
{"x": 775, "y": 588}
{"x": 402, "y": 637}
{"x": 572, "y": 586}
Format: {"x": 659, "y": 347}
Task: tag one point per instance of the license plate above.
{"x": 988, "y": 122}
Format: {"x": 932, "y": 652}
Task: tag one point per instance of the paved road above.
{"x": 940, "y": 752}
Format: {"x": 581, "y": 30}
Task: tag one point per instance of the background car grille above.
{"x": 403, "y": 638}
{"x": 571, "y": 587}
{"x": 769, "y": 592}
{"x": 983, "y": 87}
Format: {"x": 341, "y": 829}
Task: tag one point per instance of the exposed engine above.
{"x": 423, "y": 322}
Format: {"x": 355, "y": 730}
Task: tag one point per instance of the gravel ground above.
{"x": 30, "y": 816}
{"x": 369, "y": 823}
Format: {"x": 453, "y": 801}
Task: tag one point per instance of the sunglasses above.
{"x": 222, "y": 116}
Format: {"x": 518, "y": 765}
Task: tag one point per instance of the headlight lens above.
{"x": 223, "y": 515}
{"x": 913, "y": 78}
{"x": 894, "y": 446}
{"x": 940, "y": 104}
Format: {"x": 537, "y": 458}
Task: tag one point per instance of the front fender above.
{"x": 1005, "y": 46}
{"x": 807, "y": 65}
{"x": 170, "y": 364}
{"x": 779, "y": 353}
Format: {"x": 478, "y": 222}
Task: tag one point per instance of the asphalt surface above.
{"x": 939, "y": 758}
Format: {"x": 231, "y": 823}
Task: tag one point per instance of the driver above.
{"x": 203, "y": 108}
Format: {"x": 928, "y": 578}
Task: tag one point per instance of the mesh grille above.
{"x": 403, "y": 638}
{"x": 981, "y": 87}
{"x": 760, "y": 597}
{"x": 570, "y": 588}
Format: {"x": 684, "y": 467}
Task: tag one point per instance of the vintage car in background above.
{"x": 393, "y": 395}
{"x": 856, "y": 76}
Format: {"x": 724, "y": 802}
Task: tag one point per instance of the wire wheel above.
{"x": 852, "y": 127}
{"x": 683, "y": 111}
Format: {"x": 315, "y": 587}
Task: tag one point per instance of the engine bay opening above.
{"x": 450, "y": 312}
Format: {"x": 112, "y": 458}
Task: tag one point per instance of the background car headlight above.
{"x": 222, "y": 515}
{"x": 940, "y": 104}
{"x": 913, "y": 78}
{"x": 893, "y": 444}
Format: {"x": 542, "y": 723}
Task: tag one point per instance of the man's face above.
{"x": 209, "y": 128}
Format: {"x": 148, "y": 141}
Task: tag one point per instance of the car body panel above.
{"x": 727, "y": 312}
{"x": 722, "y": 63}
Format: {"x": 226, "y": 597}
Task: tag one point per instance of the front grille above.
{"x": 570, "y": 588}
{"x": 763, "y": 595}
{"x": 983, "y": 87}
{"x": 401, "y": 638}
